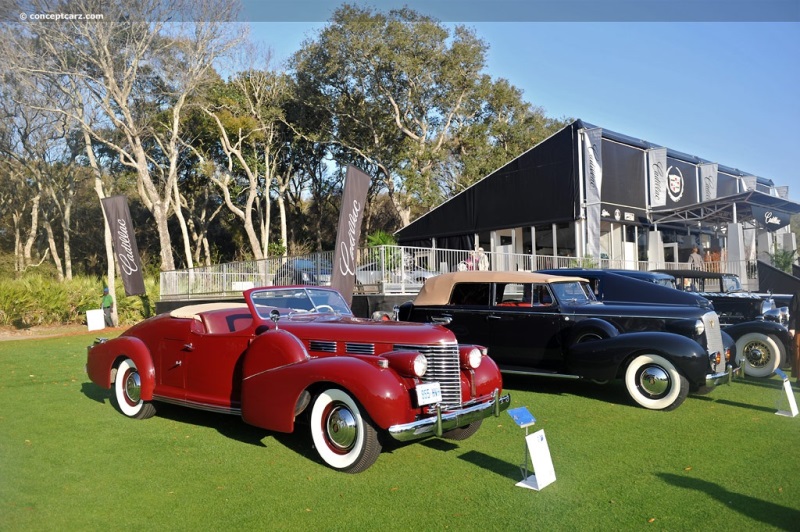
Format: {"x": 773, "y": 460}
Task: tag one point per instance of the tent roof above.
{"x": 721, "y": 209}
{"x": 540, "y": 186}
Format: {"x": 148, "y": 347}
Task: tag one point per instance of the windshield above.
{"x": 573, "y": 292}
{"x": 302, "y": 300}
{"x": 730, "y": 283}
{"x": 669, "y": 282}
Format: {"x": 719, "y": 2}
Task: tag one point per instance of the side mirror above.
{"x": 275, "y": 315}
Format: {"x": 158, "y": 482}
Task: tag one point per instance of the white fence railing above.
{"x": 392, "y": 270}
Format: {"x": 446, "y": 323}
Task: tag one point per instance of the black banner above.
{"x": 770, "y": 219}
{"x": 119, "y": 221}
{"x": 356, "y": 185}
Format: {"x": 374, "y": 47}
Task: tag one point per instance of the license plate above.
{"x": 429, "y": 393}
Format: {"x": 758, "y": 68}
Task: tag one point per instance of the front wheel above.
{"x": 345, "y": 438}
{"x": 758, "y": 353}
{"x": 127, "y": 391}
{"x": 654, "y": 383}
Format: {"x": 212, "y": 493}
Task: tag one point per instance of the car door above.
{"x": 524, "y": 332}
{"x": 213, "y": 366}
{"x": 170, "y": 360}
{"x": 465, "y": 314}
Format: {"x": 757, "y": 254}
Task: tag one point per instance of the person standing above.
{"x": 482, "y": 260}
{"x": 108, "y": 306}
{"x": 695, "y": 261}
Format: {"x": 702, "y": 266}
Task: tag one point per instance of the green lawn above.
{"x": 70, "y": 461}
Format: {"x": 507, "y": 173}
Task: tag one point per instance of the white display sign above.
{"x": 95, "y": 319}
{"x": 544, "y": 473}
{"x": 787, "y": 386}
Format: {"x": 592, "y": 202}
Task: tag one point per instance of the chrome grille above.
{"x": 359, "y": 349}
{"x": 713, "y": 334}
{"x": 443, "y": 367}
{"x": 325, "y": 346}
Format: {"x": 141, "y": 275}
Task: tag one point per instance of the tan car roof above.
{"x": 191, "y": 311}
{"x": 436, "y": 290}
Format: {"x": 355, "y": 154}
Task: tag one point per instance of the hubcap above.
{"x": 341, "y": 428}
{"x": 654, "y": 381}
{"x": 756, "y": 354}
{"x": 133, "y": 387}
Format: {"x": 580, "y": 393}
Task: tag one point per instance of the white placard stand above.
{"x": 541, "y": 462}
{"x": 787, "y": 386}
{"x": 536, "y": 447}
{"x": 95, "y": 320}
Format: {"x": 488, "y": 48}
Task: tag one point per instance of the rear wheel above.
{"x": 462, "y": 433}
{"x": 344, "y": 437}
{"x": 127, "y": 391}
{"x": 758, "y": 353}
{"x": 654, "y": 383}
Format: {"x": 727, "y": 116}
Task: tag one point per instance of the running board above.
{"x": 198, "y": 406}
{"x": 523, "y": 371}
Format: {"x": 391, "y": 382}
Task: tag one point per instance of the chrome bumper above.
{"x": 725, "y": 377}
{"x": 453, "y": 419}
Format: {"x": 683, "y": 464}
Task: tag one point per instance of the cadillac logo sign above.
{"x": 674, "y": 184}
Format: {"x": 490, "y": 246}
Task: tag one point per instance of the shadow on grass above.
{"x": 612, "y": 392}
{"x": 763, "y": 383}
{"x": 767, "y": 512}
{"x": 229, "y": 426}
{"x": 95, "y": 392}
{"x": 490, "y": 463}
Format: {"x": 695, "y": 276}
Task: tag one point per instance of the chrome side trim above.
{"x": 452, "y": 419}
{"x": 198, "y": 406}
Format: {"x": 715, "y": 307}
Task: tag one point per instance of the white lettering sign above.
{"x": 769, "y": 218}
{"x": 127, "y": 260}
{"x": 347, "y": 261}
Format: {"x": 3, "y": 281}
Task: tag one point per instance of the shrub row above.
{"x": 40, "y": 300}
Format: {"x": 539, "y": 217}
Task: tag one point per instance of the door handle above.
{"x": 442, "y": 319}
{"x": 188, "y": 347}
{"x": 492, "y": 317}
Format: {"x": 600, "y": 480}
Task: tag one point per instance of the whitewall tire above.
{"x": 758, "y": 354}
{"x": 127, "y": 392}
{"x": 343, "y": 436}
{"x": 654, "y": 383}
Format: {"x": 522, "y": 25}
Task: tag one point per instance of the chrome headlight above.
{"x": 773, "y": 314}
{"x": 474, "y": 358}
{"x": 699, "y": 327}
{"x": 420, "y": 365}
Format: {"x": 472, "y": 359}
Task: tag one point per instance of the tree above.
{"x": 394, "y": 86}
{"x": 134, "y": 74}
{"x": 254, "y": 144}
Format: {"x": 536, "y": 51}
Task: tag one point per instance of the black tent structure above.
{"x": 587, "y": 192}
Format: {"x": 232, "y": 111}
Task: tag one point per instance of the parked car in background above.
{"x": 733, "y": 303}
{"x": 552, "y": 325}
{"x": 761, "y": 346}
{"x": 297, "y": 354}
{"x": 374, "y": 273}
{"x": 647, "y": 288}
{"x": 304, "y": 271}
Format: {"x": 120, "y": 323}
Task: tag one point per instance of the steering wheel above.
{"x": 325, "y": 308}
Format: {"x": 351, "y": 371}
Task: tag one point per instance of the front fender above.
{"x": 103, "y": 357}
{"x": 487, "y": 378}
{"x": 605, "y": 359}
{"x": 269, "y": 398}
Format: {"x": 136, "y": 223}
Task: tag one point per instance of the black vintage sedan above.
{"x": 539, "y": 324}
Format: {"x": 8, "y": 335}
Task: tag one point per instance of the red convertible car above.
{"x": 294, "y": 354}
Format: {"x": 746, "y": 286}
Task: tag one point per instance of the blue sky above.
{"x": 727, "y": 91}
